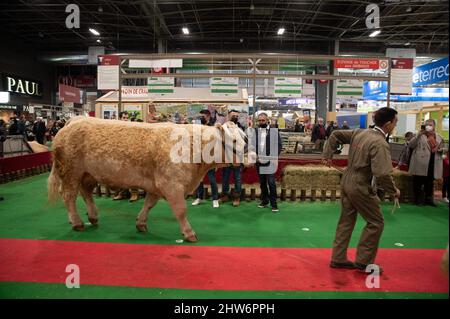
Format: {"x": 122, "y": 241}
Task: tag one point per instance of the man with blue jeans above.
{"x": 266, "y": 168}
{"x": 205, "y": 119}
{"x": 226, "y": 173}
{"x": 201, "y": 190}
{"x": 233, "y": 116}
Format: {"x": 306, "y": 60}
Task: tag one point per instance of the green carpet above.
{"x": 26, "y": 214}
{"x": 39, "y": 290}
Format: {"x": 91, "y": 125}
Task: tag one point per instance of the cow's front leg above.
{"x": 178, "y": 205}
{"x": 141, "y": 221}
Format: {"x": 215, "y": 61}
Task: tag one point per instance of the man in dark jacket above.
{"x": 332, "y": 127}
{"x": 39, "y": 130}
{"x": 319, "y": 134}
{"x": 2, "y": 136}
{"x": 267, "y": 139}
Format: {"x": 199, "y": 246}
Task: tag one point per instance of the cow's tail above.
{"x": 53, "y": 186}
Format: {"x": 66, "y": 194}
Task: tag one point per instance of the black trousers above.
{"x": 268, "y": 195}
{"x": 425, "y": 182}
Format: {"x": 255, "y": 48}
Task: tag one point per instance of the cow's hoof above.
{"x": 142, "y": 228}
{"x": 93, "y": 221}
{"x": 192, "y": 238}
{"x": 78, "y": 227}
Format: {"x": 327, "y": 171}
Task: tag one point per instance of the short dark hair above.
{"x": 384, "y": 115}
{"x": 121, "y": 114}
{"x": 233, "y": 111}
{"x": 205, "y": 112}
{"x": 408, "y": 134}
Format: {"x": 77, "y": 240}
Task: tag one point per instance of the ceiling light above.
{"x": 280, "y": 31}
{"x": 185, "y": 30}
{"x": 94, "y": 32}
{"x": 375, "y": 33}
{"x": 407, "y": 43}
{"x": 99, "y": 41}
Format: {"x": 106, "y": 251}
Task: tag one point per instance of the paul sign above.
{"x": 18, "y": 85}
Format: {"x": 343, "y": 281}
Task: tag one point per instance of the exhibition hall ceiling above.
{"x": 227, "y": 26}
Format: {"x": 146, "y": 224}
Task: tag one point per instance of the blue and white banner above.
{"x": 377, "y": 91}
{"x": 431, "y": 72}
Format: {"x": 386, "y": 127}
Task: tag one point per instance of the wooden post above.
{"x": 206, "y": 193}
{"x": 283, "y": 194}
{"x": 303, "y": 195}
{"x": 252, "y": 194}
{"x": 242, "y": 194}
{"x": 107, "y": 191}
{"x": 293, "y": 195}
{"x": 324, "y": 195}
{"x": 313, "y": 195}
{"x": 333, "y": 195}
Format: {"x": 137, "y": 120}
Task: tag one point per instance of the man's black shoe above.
{"x": 344, "y": 265}
{"x": 263, "y": 205}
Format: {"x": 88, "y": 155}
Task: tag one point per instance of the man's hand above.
{"x": 327, "y": 161}
{"x": 397, "y": 193}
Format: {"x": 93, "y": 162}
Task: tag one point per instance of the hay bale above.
{"x": 403, "y": 181}
{"x": 308, "y": 177}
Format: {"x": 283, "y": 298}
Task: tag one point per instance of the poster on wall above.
{"x": 110, "y": 112}
{"x": 288, "y": 87}
{"x": 445, "y": 122}
{"x": 194, "y": 109}
{"x": 134, "y": 111}
{"x": 160, "y": 86}
{"x": 349, "y": 89}
{"x": 224, "y": 86}
{"x": 401, "y": 76}
{"x": 108, "y": 72}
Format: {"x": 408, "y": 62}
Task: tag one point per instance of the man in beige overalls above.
{"x": 369, "y": 157}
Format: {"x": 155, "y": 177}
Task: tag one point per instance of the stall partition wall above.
{"x": 111, "y": 110}
{"x": 439, "y": 114}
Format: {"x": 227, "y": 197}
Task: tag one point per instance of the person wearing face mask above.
{"x": 266, "y": 179}
{"x": 233, "y": 116}
{"x": 426, "y": 162}
{"x": 205, "y": 119}
{"x": 332, "y": 127}
{"x": 369, "y": 156}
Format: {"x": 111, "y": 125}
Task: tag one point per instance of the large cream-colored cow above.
{"x": 88, "y": 151}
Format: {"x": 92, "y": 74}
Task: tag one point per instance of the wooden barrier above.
{"x": 304, "y": 195}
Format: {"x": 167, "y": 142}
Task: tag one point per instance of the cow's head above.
{"x": 234, "y": 145}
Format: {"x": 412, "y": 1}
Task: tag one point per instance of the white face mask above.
{"x": 429, "y": 128}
